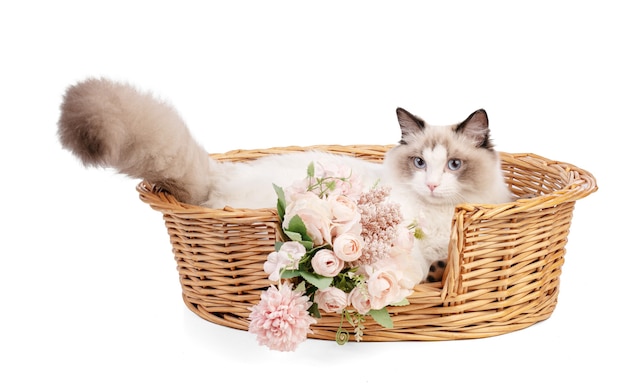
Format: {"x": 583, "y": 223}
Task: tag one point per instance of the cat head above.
{"x": 447, "y": 165}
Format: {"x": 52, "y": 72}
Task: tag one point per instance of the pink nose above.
{"x": 432, "y": 187}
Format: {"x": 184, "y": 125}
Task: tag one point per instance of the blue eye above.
{"x": 419, "y": 162}
{"x": 455, "y": 164}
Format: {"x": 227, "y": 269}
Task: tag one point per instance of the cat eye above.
{"x": 455, "y": 164}
{"x": 419, "y": 162}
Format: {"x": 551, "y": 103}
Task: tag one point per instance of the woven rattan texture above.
{"x": 502, "y": 274}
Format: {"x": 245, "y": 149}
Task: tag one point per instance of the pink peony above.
{"x": 326, "y": 263}
{"x": 331, "y": 299}
{"x": 287, "y": 258}
{"x": 281, "y": 320}
{"x": 348, "y": 246}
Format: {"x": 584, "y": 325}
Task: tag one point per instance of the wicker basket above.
{"x": 503, "y": 268}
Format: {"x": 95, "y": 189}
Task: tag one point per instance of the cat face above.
{"x": 444, "y": 165}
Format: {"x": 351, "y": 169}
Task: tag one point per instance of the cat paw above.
{"x": 435, "y": 273}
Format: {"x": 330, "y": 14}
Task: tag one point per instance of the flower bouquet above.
{"x": 347, "y": 251}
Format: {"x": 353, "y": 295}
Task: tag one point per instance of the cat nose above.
{"x": 432, "y": 187}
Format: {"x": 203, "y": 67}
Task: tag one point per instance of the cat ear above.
{"x": 409, "y": 123}
{"x": 476, "y": 127}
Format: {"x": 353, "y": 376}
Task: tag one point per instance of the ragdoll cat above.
{"x": 430, "y": 171}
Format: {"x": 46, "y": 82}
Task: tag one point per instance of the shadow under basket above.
{"x": 502, "y": 273}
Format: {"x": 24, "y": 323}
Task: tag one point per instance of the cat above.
{"x": 432, "y": 169}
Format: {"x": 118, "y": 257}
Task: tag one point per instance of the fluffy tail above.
{"x": 110, "y": 124}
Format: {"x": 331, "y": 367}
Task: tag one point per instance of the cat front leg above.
{"x": 432, "y": 256}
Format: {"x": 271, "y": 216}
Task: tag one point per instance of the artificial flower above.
{"x": 359, "y": 298}
{"x": 326, "y": 263}
{"x": 348, "y": 246}
{"x": 347, "y": 253}
{"x": 286, "y": 258}
{"x": 331, "y": 299}
{"x": 314, "y": 212}
{"x": 281, "y": 320}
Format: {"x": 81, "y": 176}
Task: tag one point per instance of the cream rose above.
{"x": 403, "y": 243}
{"x": 326, "y": 263}
{"x": 360, "y": 300}
{"x": 348, "y": 246}
{"x": 383, "y": 288}
{"x": 345, "y": 215}
{"x": 316, "y": 215}
{"x": 331, "y": 300}
{"x": 295, "y": 190}
{"x": 407, "y": 270}
{"x": 345, "y": 181}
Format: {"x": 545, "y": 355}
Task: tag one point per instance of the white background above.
{"x": 88, "y": 284}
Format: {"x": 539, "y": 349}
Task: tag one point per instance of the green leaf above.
{"x": 287, "y": 274}
{"x": 280, "y": 204}
{"x": 419, "y": 234}
{"x": 346, "y": 314}
{"x": 404, "y": 302}
{"x": 296, "y": 231}
{"x": 310, "y": 170}
{"x": 308, "y": 245}
{"x": 315, "y": 311}
{"x": 332, "y": 185}
{"x": 382, "y": 317}
{"x": 293, "y": 235}
{"x": 316, "y": 280}
{"x": 297, "y": 225}
{"x": 301, "y": 287}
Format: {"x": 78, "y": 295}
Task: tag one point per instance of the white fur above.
{"x": 249, "y": 184}
{"x": 429, "y": 198}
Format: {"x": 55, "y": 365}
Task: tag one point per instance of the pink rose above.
{"x": 383, "y": 288}
{"x": 326, "y": 263}
{"x": 407, "y": 269}
{"x": 295, "y": 189}
{"x": 343, "y": 208}
{"x": 331, "y": 300}
{"x": 348, "y": 246}
{"x": 345, "y": 181}
{"x": 360, "y": 300}
{"x": 287, "y": 258}
{"x": 314, "y": 212}
{"x": 392, "y": 279}
{"x": 345, "y": 215}
{"x": 404, "y": 241}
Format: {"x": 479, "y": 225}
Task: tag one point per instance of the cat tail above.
{"x": 113, "y": 125}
